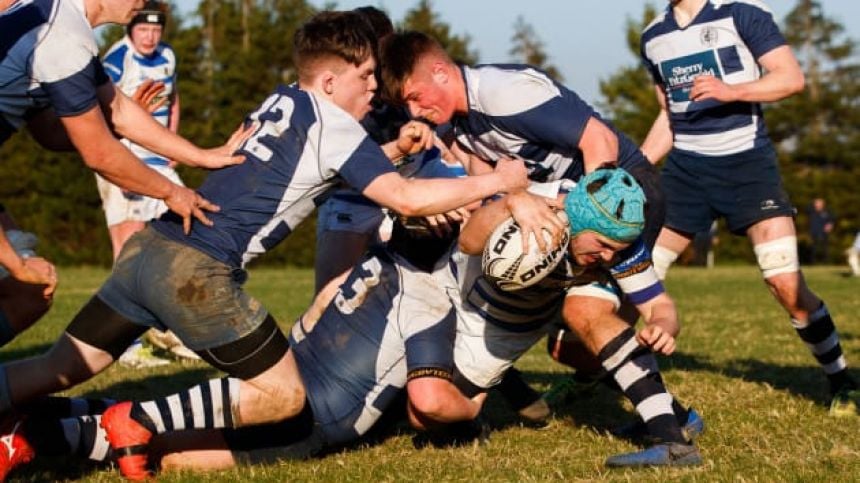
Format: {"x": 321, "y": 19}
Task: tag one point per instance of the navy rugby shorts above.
{"x": 744, "y": 188}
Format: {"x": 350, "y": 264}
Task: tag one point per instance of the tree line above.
{"x": 233, "y": 52}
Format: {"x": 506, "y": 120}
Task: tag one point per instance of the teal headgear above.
{"x": 609, "y": 202}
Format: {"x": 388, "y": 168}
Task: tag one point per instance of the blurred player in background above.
{"x": 142, "y": 66}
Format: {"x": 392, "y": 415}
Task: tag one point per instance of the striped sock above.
{"x": 819, "y": 334}
{"x": 80, "y": 436}
{"x": 634, "y": 369}
{"x": 205, "y": 406}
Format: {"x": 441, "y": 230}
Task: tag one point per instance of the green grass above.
{"x": 738, "y": 362}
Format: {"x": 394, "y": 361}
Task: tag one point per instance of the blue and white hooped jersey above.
{"x": 724, "y": 40}
{"x": 631, "y": 274}
{"x": 518, "y": 111}
{"x": 303, "y": 145}
{"x": 388, "y": 323}
{"x": 128, "y": 70}
{"x": 48, "y": 57}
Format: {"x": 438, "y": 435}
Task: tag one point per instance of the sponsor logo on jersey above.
{"x": 679, "y": 73}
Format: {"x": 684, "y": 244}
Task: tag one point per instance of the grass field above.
{"x": 739, "y": 363}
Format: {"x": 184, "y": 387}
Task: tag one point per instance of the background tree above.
{"x": 629, "y": 98}
{"x": 423, "y": 19}
{"x": 527, "y": 48}
{"x": 818, "y": 131}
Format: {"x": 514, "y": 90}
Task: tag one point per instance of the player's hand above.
{"x": 513, "y": 174}
{"x": 709, "y": 87}
{"x": 37, "y": 271}
{"x": 656, "y": 339}
{"x": 442, "y": 225}
{"x": 223, "y": 155}
{"x": 415, "y": 136}
{"x": 534, "y": 215}
{"x": 187, "y": 203}
{"x": 147, "y": 95}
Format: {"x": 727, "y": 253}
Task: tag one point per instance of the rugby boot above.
{"x": 638, "y": 430}
{"x": 128, "y": 439}
{"x": 663, "y": 454}
{"x": 15, "y": 450}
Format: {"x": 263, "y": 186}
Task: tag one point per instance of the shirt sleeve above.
{"x": 757, "y": 28}
{"x": 66, "y": 65}
{"x": 558, "y": 121}
{"x": 365, "y": 164}
{"x": 635, "y": 274}
{"x": 77, "y": 93}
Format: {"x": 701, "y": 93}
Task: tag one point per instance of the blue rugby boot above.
{"x": 663, "y": 454}
{"x": 638, "y": 431}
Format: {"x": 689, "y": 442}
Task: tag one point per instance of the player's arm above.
{"x": 414, "y": 137}
{"x": 659, "y": 140}
{"x": 534, "y": 210}
{"x": 598, "y": 144}
{"x": 131, "y": 121}
{"x": 103, "y": 153}
{"x": 422, "y": 197}
{"x": 661, "y": 324}
{"x": 783, "y": 78}
{"x": 34, "y": 270}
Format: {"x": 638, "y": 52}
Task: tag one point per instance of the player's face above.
{"x": 590, "y": 248}
{"x": 427, "y": 96}
{"x": 353, "y": 87}
{"x": 145, "y": 37}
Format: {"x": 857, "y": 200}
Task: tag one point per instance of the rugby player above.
{"x": 706, "y": 59}
{"x": 606, "y": 259}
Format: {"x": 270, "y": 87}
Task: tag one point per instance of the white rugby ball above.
{"x": 506, "y": 264}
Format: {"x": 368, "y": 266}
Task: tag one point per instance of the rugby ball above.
{"x": 509, "y": 267}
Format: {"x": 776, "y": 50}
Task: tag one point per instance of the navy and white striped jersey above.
{"x": 518, "y": 111}
{"x": 303, "y": 145}
{"x": 724, "y": 40}
{"x": 128, "y": 70}
{"x": 631, "y": 274}
{"x": 389, "y": 322}
{"x": 48, "y": 57}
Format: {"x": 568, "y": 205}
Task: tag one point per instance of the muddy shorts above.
{"x": 161, "y": 283}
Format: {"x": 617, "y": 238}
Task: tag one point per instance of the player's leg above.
{"x": 202, "y": 301}
{"x": 121, "y": 232}
{"x": 92, "y": 341}
{"x": 762, "y": 209}
{"x": 687, "y": 209}
{"x": 635, "y": 371}
{"x": 775, "y": 245}
{"x": 670, "y": 244}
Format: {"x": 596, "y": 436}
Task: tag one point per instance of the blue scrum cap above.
{"x": 609, "y": 202}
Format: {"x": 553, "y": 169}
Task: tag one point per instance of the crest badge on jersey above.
{"x": 708, "y": 36}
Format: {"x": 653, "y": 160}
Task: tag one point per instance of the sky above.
{"x": 585, "y": 39}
